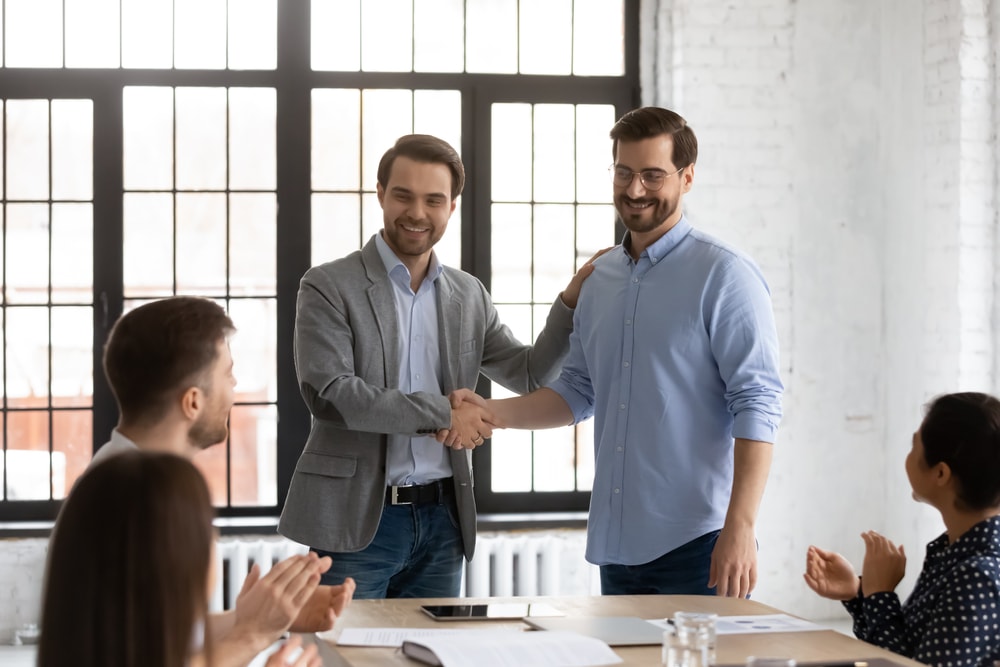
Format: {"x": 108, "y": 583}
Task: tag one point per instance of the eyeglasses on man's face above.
{"x": 651, "y": 179}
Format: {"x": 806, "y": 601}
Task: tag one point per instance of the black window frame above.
{"x": 294, "y": 80}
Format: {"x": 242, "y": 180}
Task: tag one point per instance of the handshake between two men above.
{"x": 472, "y": 421}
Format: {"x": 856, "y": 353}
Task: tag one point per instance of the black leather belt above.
{"x": 420, "y": 494}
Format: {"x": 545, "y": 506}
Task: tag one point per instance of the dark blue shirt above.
{"x": 952, "y": 617}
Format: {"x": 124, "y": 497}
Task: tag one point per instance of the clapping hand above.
{"x": 830, "y": 574}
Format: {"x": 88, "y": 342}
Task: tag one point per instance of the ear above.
{"x": 380, "y": 193}
{"x": 942, "y": 474}
{"x": 192, "y": 401}
{"x": 688, "y": 178}
{"x": 452, "y": 209}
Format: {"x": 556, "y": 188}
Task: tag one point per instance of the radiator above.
{"x": 505, "y": 564}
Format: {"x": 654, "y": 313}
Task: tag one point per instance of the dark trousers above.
{"x": 683, "y": 571}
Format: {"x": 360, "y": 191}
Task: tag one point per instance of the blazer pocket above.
{"x": 327, "y": 465}
{"x": 467, "y": 346}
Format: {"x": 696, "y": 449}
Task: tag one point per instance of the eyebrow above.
{"x": 400, "y": 190}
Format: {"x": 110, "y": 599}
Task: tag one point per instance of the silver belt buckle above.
{"x": 395, "y": 496}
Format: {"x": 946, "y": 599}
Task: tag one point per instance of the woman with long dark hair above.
{"x": 129, "y": 573}
{"x": 952, "y": 617}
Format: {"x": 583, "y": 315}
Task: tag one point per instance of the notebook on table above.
{"x": 612, "y": 630}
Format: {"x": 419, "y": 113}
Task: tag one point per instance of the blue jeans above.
{"x": 683, "y": 571}
{"x": 417, "y": 553}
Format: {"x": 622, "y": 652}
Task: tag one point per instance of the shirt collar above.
{"x": 663, "y": 245}
{"x": 983, "y": 538}
{"x": 395, "y": 267}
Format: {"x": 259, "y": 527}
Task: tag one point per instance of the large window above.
{"x": 157, "y": 147}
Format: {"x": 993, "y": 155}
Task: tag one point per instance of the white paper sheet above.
{"x": 735, "y": 625}
{"x": 393, "y": 637}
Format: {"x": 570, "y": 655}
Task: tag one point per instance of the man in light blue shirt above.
{"x": 674, "y": 353}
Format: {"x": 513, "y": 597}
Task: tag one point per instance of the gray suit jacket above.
{"x": 347, "y": 363}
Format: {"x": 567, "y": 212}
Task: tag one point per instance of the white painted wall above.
{"x": 850, "y": 147}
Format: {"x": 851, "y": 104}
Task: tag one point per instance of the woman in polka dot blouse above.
{"x": 953, "y": 615}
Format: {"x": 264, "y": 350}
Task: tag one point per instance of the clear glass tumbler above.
{"x": 697, "y": 630}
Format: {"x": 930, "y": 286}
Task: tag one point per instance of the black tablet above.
{"x": 493, "y": 611}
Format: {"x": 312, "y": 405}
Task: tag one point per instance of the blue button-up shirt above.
{"x": 673, "y": 355}
{"x": 415, "y": 460}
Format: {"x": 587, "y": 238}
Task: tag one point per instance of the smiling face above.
{"x": 646, "y": 213}
{"x": 416, "y": 206}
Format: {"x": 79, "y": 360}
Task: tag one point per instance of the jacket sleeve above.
{"x": 327, "y": 354}
{"x": 523, "y": 368}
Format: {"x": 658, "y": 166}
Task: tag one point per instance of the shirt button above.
{"x": 635, "y": 280}
{"x": 626, "y": 364}
{"x": 628, "y": 321}
{"x": 618, "y": 490}
{"x": 618, "y": 448}
{"x": 621, "y": 406}
{"x": 417, "y": 376}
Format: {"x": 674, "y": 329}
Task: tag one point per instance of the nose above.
{"x": 416, "y": 210}
{"x": 635, "y": 189}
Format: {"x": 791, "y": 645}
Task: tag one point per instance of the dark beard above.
{"x": 204, "y": 435}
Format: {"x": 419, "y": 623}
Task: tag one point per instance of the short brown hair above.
{"x": 648, "y": 122}
{"x": 424, "y": 148}
{"x": 162, "y": 347}
{"x": 127, "y": 572}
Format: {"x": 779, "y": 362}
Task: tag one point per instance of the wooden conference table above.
{"x": 826, "y": 645}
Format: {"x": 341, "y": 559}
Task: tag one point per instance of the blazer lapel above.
{"x": 383, "y": 310}
{"x": 450, "y": 324}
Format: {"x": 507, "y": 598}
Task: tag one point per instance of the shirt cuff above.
{"x": 750, "y": 425}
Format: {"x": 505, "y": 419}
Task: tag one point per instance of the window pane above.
{"x": 511, "y": 168}
{"x": 92, "y": 33}
{"x": 511, "y": 227}
{"x": 252, "y": 139}
{"x": 27, "y": 360}
{"x": 27, "y": 149}
{"x": 148, "y": 138}
{"x": 387, "y": 35}
{"x": 336, "y": 141}
{"x": 255, "y": 349}
{"x": 72, "y": 253}
{"x": 598, "y": 38}
{"x": 254, "y": 458}
{"x": 201, "y": 244}
{"x": 387, "y": 115}
{"x": 252, "y": 225}
{"x": 336, "y": 226}
{"x": 147, "y": 33}
{"x": 593, "y": 152}
{"x": 336, "y": 35}
{"x": 554, "y": 460}
{"x": 510, "y": 450}
{"x": 200, "y": 34}
{"x": 594, "y": 230}
{"x": 27, "y": 456}
{"x": 201, "y": 138}
{"x": 72, "y": 356}
{"x": 553, "y": 230}
{"x": 27, "y": 253}
{"x": 72, "y": 149}
{"x": 584, "y": 455}
{"x": 491, "y": 37}
{"x": 148, "y": 245}
{"x": 253, "y": 34}
{"x": 33, "y": 33}
{"x": 432, "y": 19}
{"x": 73, "y": 442}
{"x": 371, "y": 217}
{"x": 554, "y": 138}
{"x": 439, "y": 112}
{"x": 546, "y": 37}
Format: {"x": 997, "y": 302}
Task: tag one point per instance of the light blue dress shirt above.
{"x": 673, "y": 356}
{"x": 415, "y": 460}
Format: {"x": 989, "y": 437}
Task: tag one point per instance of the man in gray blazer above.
{"x": 383, "y": 338}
